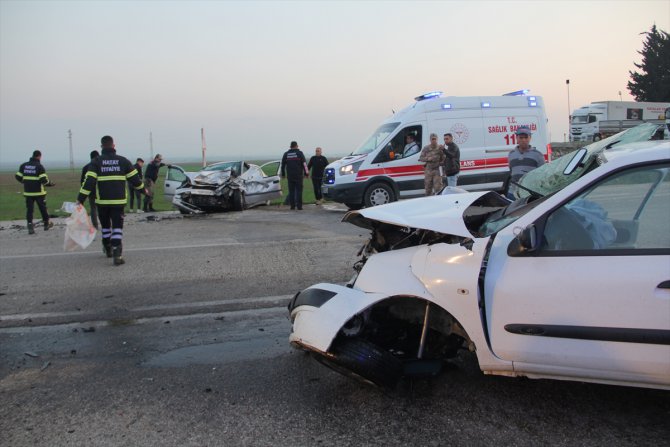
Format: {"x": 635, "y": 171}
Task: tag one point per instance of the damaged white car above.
{"x": 571, "y": 281}
{"x": 224, "y": 186}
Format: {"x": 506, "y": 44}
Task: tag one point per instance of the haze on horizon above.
{"x": 259, "y": 74}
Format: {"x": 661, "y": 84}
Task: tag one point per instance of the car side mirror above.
{"x": 576, "y": 160}
{"x": 525, "y": 242}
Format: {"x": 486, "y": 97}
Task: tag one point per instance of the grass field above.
{"x": 13, "y": 205}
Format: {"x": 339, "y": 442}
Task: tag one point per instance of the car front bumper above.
{"x": 319, "y": 312}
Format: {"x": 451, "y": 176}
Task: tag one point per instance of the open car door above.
{"x": 176, "y": 177}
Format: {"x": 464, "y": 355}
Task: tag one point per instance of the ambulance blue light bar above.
{"x": 518, "y": 93}
{"x": 486, "y": 105}
{"x": 428, "y": 96}
{"x": 446, "y": 106}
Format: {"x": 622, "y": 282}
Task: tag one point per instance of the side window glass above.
{"x": 592, "y": 119}
{"x": 400, "y": 145}
{"x": 175, "y": 175}
{"x": 629, "y": 210}
{"x": 408, "y": 142}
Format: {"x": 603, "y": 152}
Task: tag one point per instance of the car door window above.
{"x": 176, "y": 175}
{"x": 628, "y": 210}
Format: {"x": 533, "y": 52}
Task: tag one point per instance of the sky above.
{"x": 257, "y": 74}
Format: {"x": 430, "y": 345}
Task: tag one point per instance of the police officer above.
{"x": 110, "y": 172}
{"x": 294, "y": 165}
{"x": 432, "y": 155}
{"x": 34, "y": 178}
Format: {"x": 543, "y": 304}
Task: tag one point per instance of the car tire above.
{"x": 238, "y": 200}
{"x": 378, "y": 194}
{"x": 354, "y": 206}
{"x": 364, "y": 361}
{"x": 597, "y": 137}
{"x": 183, "y": 211}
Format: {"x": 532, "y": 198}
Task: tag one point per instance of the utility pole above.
{"x": 69, "y": 136}
{"x": 204, "y": 146}
{"x": 151, "y": 146}
{"x": 567, "y": 83}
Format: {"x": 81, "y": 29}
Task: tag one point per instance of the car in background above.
{"x": 571, "y": 281}
{"x": 223, "y": 186}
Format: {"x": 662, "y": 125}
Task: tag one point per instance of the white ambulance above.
{"x": 483, "y": 127}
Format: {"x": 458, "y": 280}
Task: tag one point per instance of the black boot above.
{"x": 118, "y": 259}
{"x": 107, "y": 247}
{"x": 31, "y": 229}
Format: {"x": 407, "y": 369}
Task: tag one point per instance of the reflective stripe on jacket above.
{"x": 108, "y": 175}
{"x": 33, "y": 176}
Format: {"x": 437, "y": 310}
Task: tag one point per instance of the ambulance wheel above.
{"x": 364, "y": 361}
{"x": 378, "y": 194}
{"x": 354, "y": 206}
{"x": 597, "y": 137}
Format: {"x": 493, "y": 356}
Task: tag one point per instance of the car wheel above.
{"x": 378, "y": 194}
{"x": 238, "y": 200}
{"x": 183, "y": 211}
{"x": 597, "y": 137}
{"x": 364, "y": 361}
{"x": 354, "y": 206}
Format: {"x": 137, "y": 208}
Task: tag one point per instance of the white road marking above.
{"x": 182, "y": 247}
{"x": 196, "y": 305}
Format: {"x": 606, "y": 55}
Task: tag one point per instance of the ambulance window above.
{"x": 592, "y": 118}
{"x": 404, "y": 147}
{"x": 376, "y": 138}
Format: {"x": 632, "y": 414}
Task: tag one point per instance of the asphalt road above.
{"x": 186, "y": 345}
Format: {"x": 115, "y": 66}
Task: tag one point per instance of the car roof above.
{"x": 638, "y": 152}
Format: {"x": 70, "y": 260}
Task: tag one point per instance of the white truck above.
{"x": 483, "y": 127}
{"x": 602, "y": 119}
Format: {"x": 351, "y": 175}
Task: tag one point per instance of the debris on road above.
{"x": 31, "y": 354}
{"x": 45, "y": 366}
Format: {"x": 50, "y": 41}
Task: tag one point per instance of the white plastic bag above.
{"x": 79, "y": 231}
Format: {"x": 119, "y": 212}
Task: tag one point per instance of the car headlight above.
{"x": 350, "y": 169}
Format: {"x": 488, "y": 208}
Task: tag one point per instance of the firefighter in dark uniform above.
{"x": 34, "y": 178}
{"x": 108, "y": 176}
{"x": 294, "y": 165}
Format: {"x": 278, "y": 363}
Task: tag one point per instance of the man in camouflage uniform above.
{"x": 432, "y": 156}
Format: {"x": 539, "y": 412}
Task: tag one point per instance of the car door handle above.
{"x": 664, "y": 285}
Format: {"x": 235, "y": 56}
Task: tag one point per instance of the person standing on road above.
{"x": 432, "y": 155}
{"x": 150, "y": 179}
{"x": 34, "y": 178}
{"x": 524, "y": 158}
{"x": 91, "y": 197}
{"x": 294, "y": 167}
{"x": 318, "y": 165}
{"x": 110, "y": 172}
{"x": 452, "y": 162}
{"x": 135, "y": 194}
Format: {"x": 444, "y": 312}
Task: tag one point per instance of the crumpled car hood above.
{"x": 442, "y": 214}
{"x": 214, "y": 178}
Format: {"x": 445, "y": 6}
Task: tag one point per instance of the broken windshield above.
{"x": 550, "y": 178}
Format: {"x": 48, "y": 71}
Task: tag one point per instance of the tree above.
{"x": 653, "y": 83}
